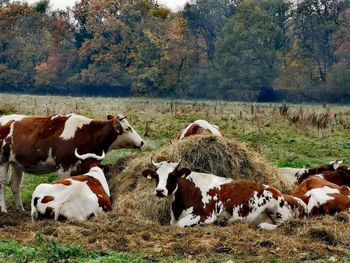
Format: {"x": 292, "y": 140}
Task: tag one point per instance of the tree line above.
{"x": 257, "y": 50}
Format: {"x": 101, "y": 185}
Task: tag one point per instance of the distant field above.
{"x": 287, "y": 135}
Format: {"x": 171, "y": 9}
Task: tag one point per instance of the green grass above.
{"x": 12, "y": 251}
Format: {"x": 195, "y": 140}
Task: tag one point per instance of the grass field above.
{"x": 293, "y": 136}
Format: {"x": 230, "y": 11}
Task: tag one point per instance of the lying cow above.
{"x": 40, "y": 145}
{"x": 199, "y": 198}
{"x": 305, "y": 173}
{"x": 323, "y": 197}
{"x": 200, "y": 127}
{"x": 339, "y": 177}
{"x": 75, "y": 198}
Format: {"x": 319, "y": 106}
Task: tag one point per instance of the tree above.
{"x": 23, "y": 44}
{"x": 315, "y": 23}
{"x": 206, "y": 19}
{"x": 247, "y": 54}
{"x": 339, "y": 75}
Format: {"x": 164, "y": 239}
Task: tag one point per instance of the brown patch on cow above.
{"x": 275, "y": 193}
{"x": 317, "y": 170}
{"x": 63, "y": 181}
{"x": 86, "y": 165}
{"x": 47, "y": 198}
{"x": 96, "y": 187}
{"x": 338, "y": 177}
{"x": 194, "y": 129}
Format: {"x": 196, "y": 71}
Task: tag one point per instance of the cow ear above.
{"x": 149, "y": 174}
{"x": 183, "y": 173}
{"x": 110, "y": 117}
{"x": 117, "y": 126}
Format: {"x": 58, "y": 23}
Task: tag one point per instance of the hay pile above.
{"x": 134, "y": 195}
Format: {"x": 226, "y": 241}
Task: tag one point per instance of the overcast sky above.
{"x": 61, "y": 4}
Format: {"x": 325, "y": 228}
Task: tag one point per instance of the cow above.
{"x": 74, "y": 198}
{"x": 200, "y": 127}
{"x": 200, "y": 198}
{"x": 305, "y": 173}
{"x": 341, "y": 176}
{"x": 41, "y": 145}
{"x": 323, "y": 197}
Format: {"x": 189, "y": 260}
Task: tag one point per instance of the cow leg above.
{"x": 15, "y": 181}
{"x": 3, "y": 173}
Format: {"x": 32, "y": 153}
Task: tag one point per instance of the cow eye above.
{"x": 128, "y": 129}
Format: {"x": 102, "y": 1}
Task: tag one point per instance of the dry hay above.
{"x": 307, "y": 239}
{"x": 134, "y": 195}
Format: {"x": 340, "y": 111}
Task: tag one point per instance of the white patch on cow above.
{"x": 13, "y": 117}
{"x": 319, "y": 176}
{"x": 336, "y": 164}
{"x": 320, "y": 196}
{"x": 267, "y": 226}
{"x": 72, "y": 124}
{"x": 187, "y": 218}
{"x": 205, "y": 182}
{"x": 204, "y": 125}
{"x": 56, "y": 116}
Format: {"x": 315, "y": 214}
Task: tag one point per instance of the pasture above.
{"x": 293, "y": 136}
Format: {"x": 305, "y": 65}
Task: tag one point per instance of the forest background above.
{"x": 247, "y": 50}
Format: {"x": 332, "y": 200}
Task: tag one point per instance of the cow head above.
{"x": 166, "y": 175}
{"x": 88, "y": 161}
{"x": 336, "y": 164}
{"x": 129, "y": 138}
{"x": 301, "y": 176}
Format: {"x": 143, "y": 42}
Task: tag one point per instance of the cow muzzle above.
{"x": 160, "y": 193}
{"x": 139, "y": 146}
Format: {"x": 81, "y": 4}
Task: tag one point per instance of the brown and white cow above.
{"x": 200, "y": 127}
{"x": 303, "y": 174}
{"x": 199, "y": 198}
{"x": 41, "y": 145}
{"x": 74, "y": 198}
{"x": 323, "y": 197}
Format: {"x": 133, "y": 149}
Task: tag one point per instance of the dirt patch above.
{"x": 316, "y": 238}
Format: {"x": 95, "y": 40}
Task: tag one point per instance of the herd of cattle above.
{"x": 74, "y": 146}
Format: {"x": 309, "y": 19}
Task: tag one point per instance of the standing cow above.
{"x": 41, "y": 145}
{"x": 199, "y": 198}
{"x": 77, "y": 197}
